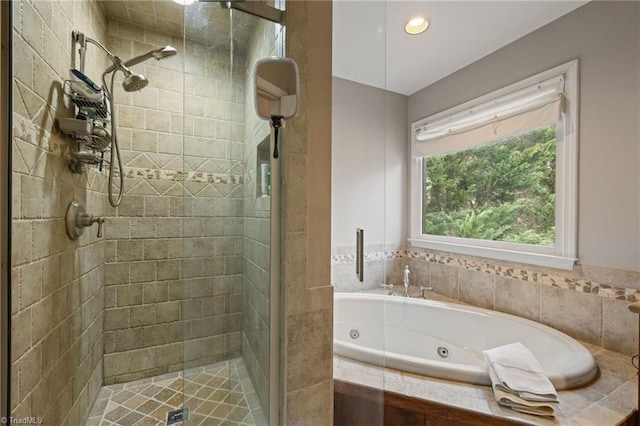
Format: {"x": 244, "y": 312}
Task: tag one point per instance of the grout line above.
{"x": 539, "y": 303}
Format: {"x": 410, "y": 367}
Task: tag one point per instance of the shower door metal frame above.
{"x": 275, "y": 302}
{"x": 6, "y": 71}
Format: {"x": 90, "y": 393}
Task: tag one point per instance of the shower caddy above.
{"x": 88, "y": 129}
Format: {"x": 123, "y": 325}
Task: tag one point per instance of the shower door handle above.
{"x": 360, "y": 254}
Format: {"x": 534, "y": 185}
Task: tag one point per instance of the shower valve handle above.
{"x": 77, "y": 219}
{"x": 100, "y": 222}
{"x": 85, "y": 220}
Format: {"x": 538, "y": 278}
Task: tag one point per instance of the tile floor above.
{"x": 217, "y": 394}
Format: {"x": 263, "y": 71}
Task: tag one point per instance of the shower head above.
{"x": 157, "y": 54}
{"x": 134, "y": 82}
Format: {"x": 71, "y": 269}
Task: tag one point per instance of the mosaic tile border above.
{"x": 27, "y": 131}
{"x": 370, "y": 256}
{"x": 182, "y": 176}
{"x": 54, "y": 143}
{"x": 566, "y": 283}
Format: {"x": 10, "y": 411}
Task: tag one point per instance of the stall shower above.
{"x": 171, "y": 307}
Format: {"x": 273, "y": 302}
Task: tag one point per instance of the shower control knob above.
{"x": 77, "y": 219}
{"x": 100, "y": 222}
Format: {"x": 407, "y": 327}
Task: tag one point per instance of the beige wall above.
{"x": 604, "y": 36}
{"x": 369, "y": 181}
{"x": 306, "y": 221}
{"x": 369, "y": 135}
{"x": 57, "y": 291}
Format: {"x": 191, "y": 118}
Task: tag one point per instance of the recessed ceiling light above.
{"x": 184, "y": 2}
{"x": 416, "y": 25}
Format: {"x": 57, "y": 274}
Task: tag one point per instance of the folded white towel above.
{"x": 513, "y": 401}
{"x": 518, "y": 380}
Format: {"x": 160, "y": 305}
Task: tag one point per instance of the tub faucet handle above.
{"x": 423, "y": 289}
{"x": 389, "y": 287}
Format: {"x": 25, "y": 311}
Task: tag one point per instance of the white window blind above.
{"x": 550, "y": 97}
{"x": 535, "y": 106}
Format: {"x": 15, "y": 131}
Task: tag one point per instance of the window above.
{"x": 496, "y": 177}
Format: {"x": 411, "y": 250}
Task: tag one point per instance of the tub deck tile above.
{"x": 607, "y": 401}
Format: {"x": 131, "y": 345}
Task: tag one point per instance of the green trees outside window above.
{"x": 503, "y": 191}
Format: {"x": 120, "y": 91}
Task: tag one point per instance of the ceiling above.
{"x": 371, "y": 47}
{"x": 204, "y": 22}
{"x": 369, "y": 42}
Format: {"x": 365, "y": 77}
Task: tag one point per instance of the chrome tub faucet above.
{"x": 422, "y": 290}
{"x": 405, "y": 280}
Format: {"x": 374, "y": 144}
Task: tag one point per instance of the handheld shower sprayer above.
{"x": 157, "y": 54}
{"x": 132, "y": 82}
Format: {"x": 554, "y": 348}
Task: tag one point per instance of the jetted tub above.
{"x": 446, "y": 340}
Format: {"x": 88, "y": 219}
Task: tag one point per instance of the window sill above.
{"x": 539, "y": 259}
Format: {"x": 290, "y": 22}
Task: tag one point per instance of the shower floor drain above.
{"x": 177, "y": 416}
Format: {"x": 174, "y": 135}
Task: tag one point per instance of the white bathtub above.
{"x": 446, "y": 340}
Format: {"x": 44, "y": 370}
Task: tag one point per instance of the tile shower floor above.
{"x": 217, "y": 394}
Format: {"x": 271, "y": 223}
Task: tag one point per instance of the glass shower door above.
{"x": 368, "y": 192}
{"x": 227, "y": 214}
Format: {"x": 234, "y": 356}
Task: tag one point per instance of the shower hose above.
{"x": 115, "y": 150}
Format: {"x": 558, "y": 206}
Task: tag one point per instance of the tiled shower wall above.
{"x": 588, "y": 303}
{"x": 57, "y": 291}
{"x": 174, "y": 255}
{"x": 257, "y": 214}
{"x": 56, "y": 354}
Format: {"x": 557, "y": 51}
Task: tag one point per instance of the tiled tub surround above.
{"x": 56, "y": 283}
{"x": 606, "y": 402}
{"x": 589, "y": 303}
{"x": 173, "y": 278}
